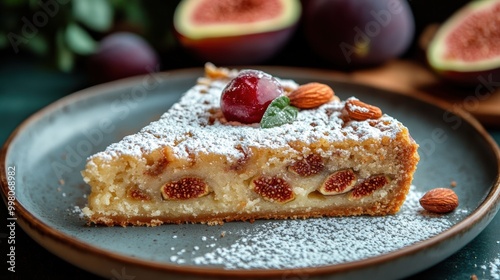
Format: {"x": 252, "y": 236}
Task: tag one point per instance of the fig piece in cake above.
{"x": 274, "y": 189}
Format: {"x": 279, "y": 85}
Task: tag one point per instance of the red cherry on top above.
{"x": 246, "y": 97}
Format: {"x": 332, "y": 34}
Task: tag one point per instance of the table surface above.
{"x": 26, "y": 87}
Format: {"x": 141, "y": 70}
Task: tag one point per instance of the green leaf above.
{"x": 34, "y": 4}
{"x": 78, "y": 40}
{"x": 65, "y": 58}
{"x": 95, "y": 14}
{"x": 39, "y": 45}
{"x": 134, "y": 12}
{"x": 13, "y": 2}
{"x": 3, "y": 40}
{"x": 279, "y": 113}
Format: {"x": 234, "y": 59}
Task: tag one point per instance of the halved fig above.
{"x": 235, "y": 31}
{"x": 465, "y": 47}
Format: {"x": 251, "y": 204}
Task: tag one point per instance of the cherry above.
{"x": 246, "y": 97}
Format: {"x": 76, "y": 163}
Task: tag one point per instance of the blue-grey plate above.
{"x": 42, "y": 160}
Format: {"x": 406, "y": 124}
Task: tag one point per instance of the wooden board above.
{"x": 414, "y": 78}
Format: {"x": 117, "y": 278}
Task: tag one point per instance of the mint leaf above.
{"x": 279, "y": 112}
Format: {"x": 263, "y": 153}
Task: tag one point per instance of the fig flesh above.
{"x": 465, "y": 47}
{"x": 235, "y": 31}
{"x": 357, "y": 33}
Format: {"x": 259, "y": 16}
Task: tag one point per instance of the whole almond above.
{"x": 439, "y": 200}
{"x": 311, "y": 95}
{"x": 360, "y": 111}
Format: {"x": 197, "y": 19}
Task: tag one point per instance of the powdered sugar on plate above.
{"x": 491, "y": 269}
{"x": 494, "y": 268}
{"x": 325, "y": 241}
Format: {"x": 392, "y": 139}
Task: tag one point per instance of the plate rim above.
{"x": 490, "y": 203}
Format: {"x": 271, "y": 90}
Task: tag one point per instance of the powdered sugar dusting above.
{"x": 355, "y": 108}
{"x": 491, "y": 267}
{"x": 326, "y": 241}
{"x": 195, "y": 124}
{"x": 495, "y": 268}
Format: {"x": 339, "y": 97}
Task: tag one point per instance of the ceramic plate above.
{"x": 47, "y": 152}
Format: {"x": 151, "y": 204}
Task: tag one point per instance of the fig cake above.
{"x": 199, "y": 164}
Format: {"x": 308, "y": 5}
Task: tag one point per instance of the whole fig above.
{"x": 121, "y": 55}
{"x": 353, "y": 33}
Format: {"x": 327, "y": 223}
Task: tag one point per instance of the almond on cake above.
{"x": 243, "y": 145}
